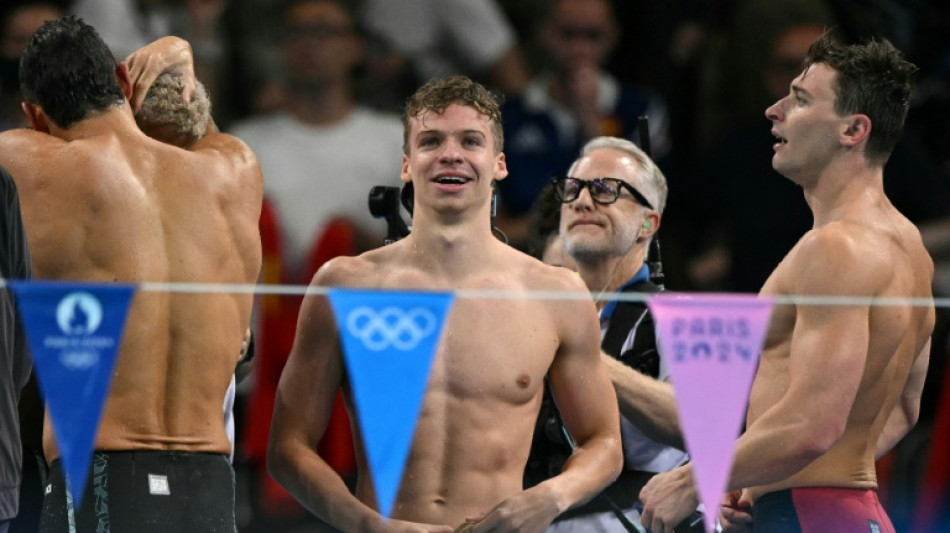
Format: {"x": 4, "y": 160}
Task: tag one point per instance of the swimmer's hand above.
{"x": 530, "y": 511}
{"x": 402, "y": 526}
{"x": 149, "y": 62}
{"x": 668, "y": 499}
{"x": 465, "y": 527}
{"x": 735, "y": 515}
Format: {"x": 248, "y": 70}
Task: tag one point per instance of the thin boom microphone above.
{"x": 643, "y": 128}
{"x": 654, "y": 259}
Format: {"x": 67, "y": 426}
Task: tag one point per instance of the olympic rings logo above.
{"x": 391, "y": 326}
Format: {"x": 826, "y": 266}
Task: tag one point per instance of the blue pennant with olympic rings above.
{"x": 389, "y": 340}
{"x": 74, "y": 331}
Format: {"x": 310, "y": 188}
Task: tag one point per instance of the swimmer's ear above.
{"x": 405, "y": 175}
{"x": 124, "y": 79}
{"x": 857, "y": 130}
{"x": 36, "y": 116}
{"x": 501, "y": 167}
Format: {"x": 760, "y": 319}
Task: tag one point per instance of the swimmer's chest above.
{"x": 496, "y": 348}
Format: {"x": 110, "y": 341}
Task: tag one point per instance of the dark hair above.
{"x": 438, "y": 94}
{"x": 873, "y": 79}
{"x": 69, "y": 71}
{"x": 545, "y": 218}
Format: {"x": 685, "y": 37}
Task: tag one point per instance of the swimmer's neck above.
{"x": 110, "y": 121}
{"x": 456, "y": 249}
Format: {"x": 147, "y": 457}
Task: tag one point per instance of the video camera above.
{"x": 384, "y": 202}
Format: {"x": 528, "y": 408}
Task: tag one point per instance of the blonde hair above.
{"x": 164, "y": 107}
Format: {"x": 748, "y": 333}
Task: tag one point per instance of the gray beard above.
{"x": 587, "y": 253}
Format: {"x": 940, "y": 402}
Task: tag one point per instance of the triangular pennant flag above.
{"x": 389, "y": 339}
{"x": 712, "y": 345}
{"x": 74, "y": 331}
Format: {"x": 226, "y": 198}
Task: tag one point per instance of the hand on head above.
{"x": 149, "y": 62}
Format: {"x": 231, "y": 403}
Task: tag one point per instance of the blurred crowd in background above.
{"x": 315, "y": 87}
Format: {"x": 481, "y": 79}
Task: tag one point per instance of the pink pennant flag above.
{"x": 711, "y": 343}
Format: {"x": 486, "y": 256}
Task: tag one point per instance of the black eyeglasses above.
{"x": 602, "y": 190}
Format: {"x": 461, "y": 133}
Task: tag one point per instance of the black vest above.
{"x": 550, "y": 447}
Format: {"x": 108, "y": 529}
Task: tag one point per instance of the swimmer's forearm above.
{"x": 150, "y": 61}
{"x": 319, "y": 488}
{"x": 646, "y": 402}
{"x": 803, "y": 436}
{"x": 594, "y": 464}
{"x": 894, "y": 430}
{"x": 904, "y": 415}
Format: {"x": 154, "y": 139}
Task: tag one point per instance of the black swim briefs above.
{"x": 144, "y": 492}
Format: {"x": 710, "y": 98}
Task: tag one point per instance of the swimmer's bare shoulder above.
{"x": 550, "y": 291}
{"x": 539, "y": 276}
{"x": 30, "y": 156}
{"x": 362, "y": 271}
{"x": 25, "y": 138}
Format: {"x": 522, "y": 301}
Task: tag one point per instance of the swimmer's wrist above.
{"x": 688, "y": 479}
{"x": 560, "y": 502}
{"x": 371, "y": 523}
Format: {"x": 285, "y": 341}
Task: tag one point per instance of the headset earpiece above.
{"x": 647, "y": 224}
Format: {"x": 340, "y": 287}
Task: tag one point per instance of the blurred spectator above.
{"x": 18, "y": 21}
{"x": 748, "y": 215}
{"x": 127, "y": 25}
{"x": 860, "y": 20}
{"x": 670, "y": 47}
{"x": 742, "y": 205}
{"x": 321, "y": 153}
{"x": 15, "y": 363}
{"x": 439, "y": 38}
{"x": 750, "y": 46}
{"x": 572, "y": 100}
{"x": 544, "y": 241}
{"x": 920, "y": 487}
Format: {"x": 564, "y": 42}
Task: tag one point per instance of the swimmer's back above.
{"x": 114, "y": 205}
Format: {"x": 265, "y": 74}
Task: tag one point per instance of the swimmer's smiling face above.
{"x": 451, "y": 155}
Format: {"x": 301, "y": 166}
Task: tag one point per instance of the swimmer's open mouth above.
{"x": 452, "y": 180}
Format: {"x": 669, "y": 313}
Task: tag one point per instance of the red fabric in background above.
{"x": 933, "y": 500}
{"x": 274, "y": 338}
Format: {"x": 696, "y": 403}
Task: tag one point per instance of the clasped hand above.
{"x": 668, "y": 499}
{"x": 530, "y": 511}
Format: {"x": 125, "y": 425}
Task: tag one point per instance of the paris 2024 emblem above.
{"x": 78, "y": 315}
